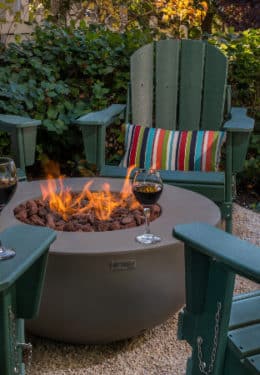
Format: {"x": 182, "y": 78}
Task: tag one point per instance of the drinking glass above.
{"x": 147, "y": 187}
{"x": 8, "y": 184}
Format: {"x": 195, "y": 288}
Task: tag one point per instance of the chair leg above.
{"x": 94, "y": 138}
{"x": 226, "y": 213}
{"x": 229, "y": 184}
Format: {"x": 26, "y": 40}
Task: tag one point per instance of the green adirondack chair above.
{"x": 182, "y": 85}
{"x": 224, "y": 336}
{"x": 23, "y": 131}
{"x": 21, "y": 283}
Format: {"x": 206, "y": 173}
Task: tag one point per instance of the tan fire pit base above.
{"x": 103, "y": 286}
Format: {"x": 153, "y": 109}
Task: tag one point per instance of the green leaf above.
{"x": 49, "y": 124}
{"x": 52, "y": 113}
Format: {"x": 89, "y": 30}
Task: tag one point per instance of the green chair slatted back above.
{"x": 142, "y": 85}
{"x": 168, "y": 91}
{"x": 178, "y": 85}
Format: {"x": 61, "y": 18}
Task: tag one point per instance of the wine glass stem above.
{"x": 147, "y": 214}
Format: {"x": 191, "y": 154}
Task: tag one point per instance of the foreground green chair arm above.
{"x": 21, "y": 282}
{"x": 225, "y": 338}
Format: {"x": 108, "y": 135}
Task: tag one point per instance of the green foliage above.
{"x": 244, "y": 67}
{"x": 4, "y": 144}
{"x": 250, "y": 177}
{"x": 61, "y": 73}
{"x": 244, "y": 76}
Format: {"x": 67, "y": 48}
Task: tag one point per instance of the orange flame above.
{"x": 103, "y": 203}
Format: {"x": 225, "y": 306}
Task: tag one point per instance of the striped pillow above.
{"x": 193, "y": 150}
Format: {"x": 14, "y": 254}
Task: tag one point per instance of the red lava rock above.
{"x": 42, "y": 212}
{"x": 115, "y": 225}
{"x": 32, "y": 207}
{"x": 127, "y": 220}
{"x": 87, "y": 228}
{"x": 102, "y": 226}
{"x": 22, "y": 216}
{"x": 156, "y": 210}
{"x": 38, "y": 212}
{"x": 60, "y": 222}
{"x": 36, "y": 220}
{"x": 20, "y": 208}
{"x": 130, "y": 225}
{"x": 139, "y": 219}
{"x": 69, "y": 227}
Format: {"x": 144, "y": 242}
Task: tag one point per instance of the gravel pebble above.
{"x": 155, "y": 352}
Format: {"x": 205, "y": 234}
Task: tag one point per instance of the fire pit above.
{"x": 87, "y": 211}
{"x": 103, "y": 286}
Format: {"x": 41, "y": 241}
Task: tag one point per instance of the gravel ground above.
{"x": 155, "y": 352}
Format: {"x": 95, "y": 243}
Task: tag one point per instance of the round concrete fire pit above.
{"x": 104, "y": 286}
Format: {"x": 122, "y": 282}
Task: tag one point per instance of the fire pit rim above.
{"x": 94, "y": 243}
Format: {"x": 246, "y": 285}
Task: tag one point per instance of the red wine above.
{"x": 148, "y": 193}
{"x": 6, "y": 193}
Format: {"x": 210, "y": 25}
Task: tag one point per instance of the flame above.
{"x": 63, "y": 201}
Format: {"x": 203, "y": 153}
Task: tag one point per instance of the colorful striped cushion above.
{"x": 197, "y": 150}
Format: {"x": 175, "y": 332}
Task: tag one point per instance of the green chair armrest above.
{"x": 104, "y": 117}
{"x": 239, "y": 121}
{"x": 23, "y": 132}
{"x": 239, "y": 129}
{"x": 9, "y": 122}
{"x": 240, "y": 256}
{"x": 29, "y": 243}
{"x": 114, "y": 171}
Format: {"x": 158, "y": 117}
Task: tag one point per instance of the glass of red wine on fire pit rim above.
{"x": 8, "y": 184}
{"x": 147, "y": 187}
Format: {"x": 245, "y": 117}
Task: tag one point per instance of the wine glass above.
{"x": 8, "y": 184}
{"x": 147, "y": 187}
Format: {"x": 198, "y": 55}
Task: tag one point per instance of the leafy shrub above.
{"x": 244, "y": 76}
{"x": 243, "y": 53}
{"x": 249, "y": 179}
{"x": 61, "y": 73}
